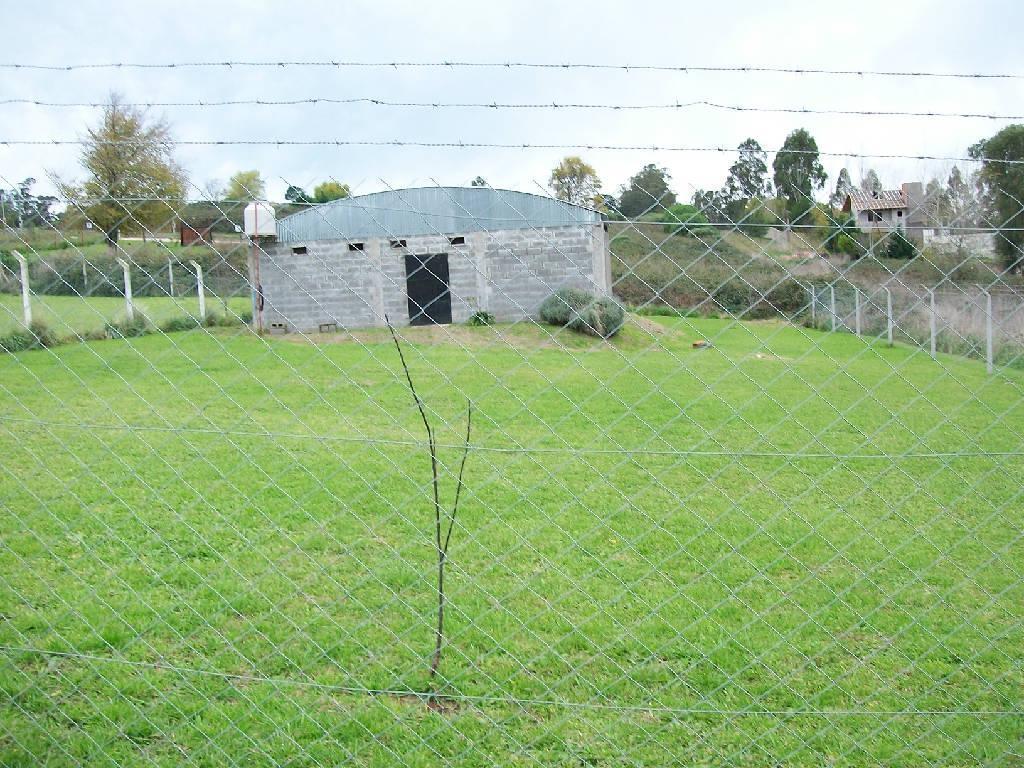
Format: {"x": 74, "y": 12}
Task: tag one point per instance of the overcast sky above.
{"x": 981, "y": 36}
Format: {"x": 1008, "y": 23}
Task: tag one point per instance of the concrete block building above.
{"x": 422, "y": 256}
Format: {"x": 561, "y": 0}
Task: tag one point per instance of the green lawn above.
{"x": 74, "y": 315}
{"x": 233, "y": 553}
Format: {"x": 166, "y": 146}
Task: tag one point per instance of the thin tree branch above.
{"x": 462, "y": 467}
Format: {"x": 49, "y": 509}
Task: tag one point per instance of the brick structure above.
{"x": 348, "y": 263}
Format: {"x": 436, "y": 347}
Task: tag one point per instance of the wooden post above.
{"x": 129, "y": 308}
{"x": 989, "y": 361}
{"x": 200, "y": 289}
{"x": 856, "y": 310}
{"x": 832, "y": 301}
{"x": 814, "y": 305}
{"x": 26, "y": 297}
{"x": 170, "y": 274}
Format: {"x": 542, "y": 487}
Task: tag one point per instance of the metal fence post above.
{"x": 200, "y": 289}
{"x": 888, "y": 315}
{"x": 170, "y": 275}
{"x": 856, "y": 310}
{"x": 129, "y": 308}
{"x": 931, "y": 319}
{"x": 989, "y": 362}
{"x": 26, "y": 298}
{"x": 832, "y": 301}
{"x": 814, "y": 305}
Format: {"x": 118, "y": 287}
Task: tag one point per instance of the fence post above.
{"x": 814, "y": 305}
{"x": 989, "y": 362}
{"x": 200, "y": 289}
{"x": 888, "y": 315}
{"x": 832, "y": 301}
{"x": 26, "y": 298}
{"x": 129, "y": 308}
{"x": 170, "y": 275}
{"x": 856, "y": 310}
{"x": 931, "y": 319}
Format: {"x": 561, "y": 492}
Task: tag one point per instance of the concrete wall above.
{"x": 508, "y": 273}
{"x": 890, "y": 220}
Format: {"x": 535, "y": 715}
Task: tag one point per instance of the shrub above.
{"x": 732, "y": 296}
{"x": 580, "y": 311}
{"x": 480, "y": 318}
{"x": 683, "y": 218}
{"x": 899, "y": 247}
{"x": 847, "y": 245}
{"x": 175, "y": 324}
{"x": 37, "y": 336}
{"x": 788, "y": 297}
{"x": 126, "y": 329}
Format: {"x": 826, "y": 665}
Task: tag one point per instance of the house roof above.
{"x": 430, "y": 211}
{"x": 886, "y": 200}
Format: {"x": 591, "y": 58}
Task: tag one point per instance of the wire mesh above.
{"x": 773, "y": 518}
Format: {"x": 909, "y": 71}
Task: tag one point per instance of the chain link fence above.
{"x": 474, "y": 476}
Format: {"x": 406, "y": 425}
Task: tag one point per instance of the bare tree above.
{"x": 441, "y": 519}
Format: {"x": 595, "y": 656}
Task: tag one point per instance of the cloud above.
{"x": 870, "y": 35}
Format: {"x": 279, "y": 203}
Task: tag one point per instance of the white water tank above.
{"x": 260, "y": 220}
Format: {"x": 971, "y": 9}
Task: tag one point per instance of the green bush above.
{"x": 127, "y": 329}
{"x": 37, "y": 336}
{"x": 480, "y": 318}
{"x": 580, "y": 311}
{"x": 683, "y": 218}
{"x": 899, "y": 247}
{"x": 176, "y": 324}
{"x": 732, "y": 296}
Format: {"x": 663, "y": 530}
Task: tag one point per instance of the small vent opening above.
{"x": 299, "y": 250}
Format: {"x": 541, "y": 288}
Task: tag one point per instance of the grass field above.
{"x": 74, "y": 315}
{"x": 231, "y": 574}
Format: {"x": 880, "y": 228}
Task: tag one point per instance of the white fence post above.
{"x": 26, "y": 297}
{"x": 931, "y": 319}
{"x": 888, "y": 315}
{"x": 856, "y": 310}
{"x": 129, "y": 308}
{"x": 832, "y": 302}
{"x": 170, "y": 275}
{"x": 814, "y": 305}
{"x": 989, "y": 362}
{"x": 200, "y": 289}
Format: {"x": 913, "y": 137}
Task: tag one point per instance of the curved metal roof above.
{"x": 430, "y": 211}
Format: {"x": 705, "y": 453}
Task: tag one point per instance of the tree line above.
{"x": 133, "y": 181}
{"x": 754, "y": 196}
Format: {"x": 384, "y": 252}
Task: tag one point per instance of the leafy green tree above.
{"x": 798, "y": 173}
{"x": 20, "y": 208}
{"x": 245, "y": 185}
{"x": 1001, "y": 180}
{"x": 132, "y": 178}
{"x": 712, "y": 204}
{"x": 871, "y": 184}
{"x": 899, "y": 247}
{"x": 683, "y": 218}
{"x": 748, "y": 176}
{"x": 330, "y": 190}
{"x": 844, "y": 186}
{"x": 575, "y": 181}
{"x": 295, "y": 194}
{"x": 648, "y": 190}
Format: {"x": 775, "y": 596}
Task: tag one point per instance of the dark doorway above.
{"x": 430, "y": 299}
